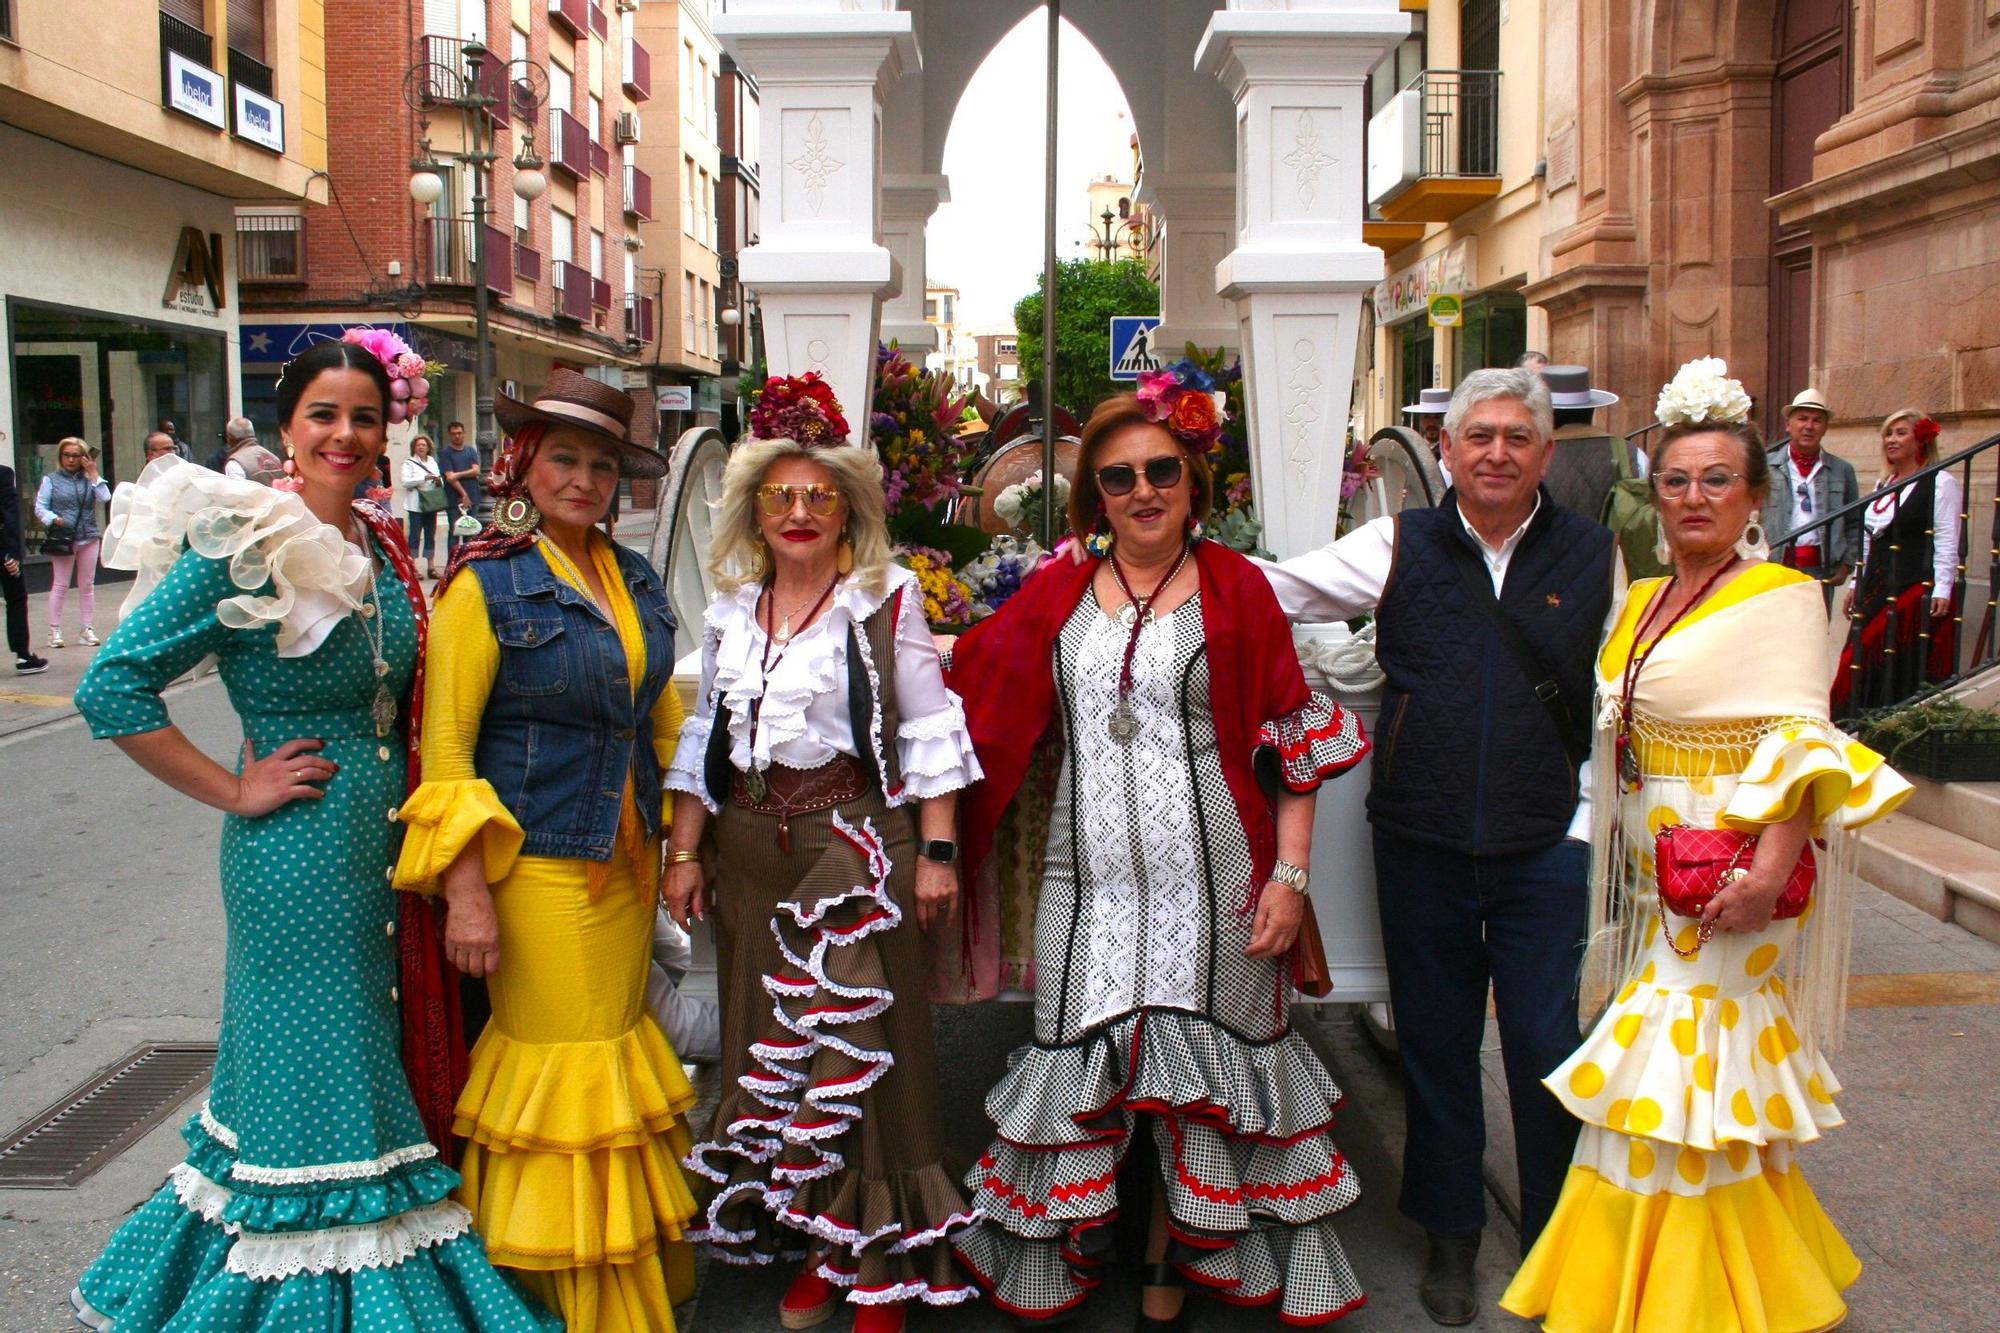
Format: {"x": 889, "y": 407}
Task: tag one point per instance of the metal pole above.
{"x": 1049, "y": 288}
{"x": 482, "y": 374}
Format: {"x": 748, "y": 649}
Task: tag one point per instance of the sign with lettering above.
{"x": 194, "y": 89}
{"x": 676, "y": 398}
{"x": 1408, "y": 291}
{"x": 1447, "y": 312}
{"x": 195, "y": 284}
{"x": 259, "y": 119}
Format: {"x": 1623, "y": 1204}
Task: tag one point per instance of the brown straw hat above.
{"x": 597, "y": 409}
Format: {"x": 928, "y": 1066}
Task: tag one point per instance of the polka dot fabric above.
{"x": 309, "y": 1198}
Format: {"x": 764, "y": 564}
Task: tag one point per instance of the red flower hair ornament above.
{"x": 799, "y": 407}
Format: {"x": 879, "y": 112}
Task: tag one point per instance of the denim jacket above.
{"x": 563, "y": 726}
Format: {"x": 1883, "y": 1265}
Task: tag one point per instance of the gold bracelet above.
{"x": 675, "y": 858}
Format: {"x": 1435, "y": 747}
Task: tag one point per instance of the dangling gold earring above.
{"x": 844, "y": 560}
{"x": 758, "y": 562}
{"x": 517, "y": 517}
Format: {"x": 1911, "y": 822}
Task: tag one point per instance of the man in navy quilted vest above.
{"x": 1488, "y": 611}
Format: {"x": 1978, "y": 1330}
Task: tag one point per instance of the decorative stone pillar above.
{"x": 1296, "y": 71}
{"x": 907, "y": 205}
{"x": 819, "y": 270}
{"x": 1196, "y": 213}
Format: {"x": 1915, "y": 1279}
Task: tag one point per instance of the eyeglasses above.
{"x": 1162, "y": 474}
{"x": 1714, "y": 483}
{"x": 776, "y": 499}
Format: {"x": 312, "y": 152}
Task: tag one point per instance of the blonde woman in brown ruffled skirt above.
{"x": 822, "y": 709}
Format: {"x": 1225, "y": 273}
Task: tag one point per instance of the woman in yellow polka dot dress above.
{"x": 1685, "y": 1207}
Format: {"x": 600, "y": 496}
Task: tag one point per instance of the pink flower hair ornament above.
{"x": 409, "y": 387}
{"x": 1191, "y": 413}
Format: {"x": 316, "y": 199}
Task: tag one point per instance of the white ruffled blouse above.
{"x": 316, "y": 576}
{"x": 803, "y": 720}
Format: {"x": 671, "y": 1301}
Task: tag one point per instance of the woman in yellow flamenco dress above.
{"x": 550, "y": 716}
{"x": 1685, "y": 1209}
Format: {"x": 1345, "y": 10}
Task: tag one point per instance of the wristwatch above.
{"x": 1291, "y": 876}
{"x": 941, "y": 850}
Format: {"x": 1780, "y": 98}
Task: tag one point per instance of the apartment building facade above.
{"x": 566, "y": 88}
{"x": 128, "y": 142}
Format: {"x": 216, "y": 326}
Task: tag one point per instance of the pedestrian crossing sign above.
{"x": 1132, "y": 347}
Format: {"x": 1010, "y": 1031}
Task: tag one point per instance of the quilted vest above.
{"x": 1466, "y": 757}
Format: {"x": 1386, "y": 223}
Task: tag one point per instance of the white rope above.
{"x": 1348, "y": 665}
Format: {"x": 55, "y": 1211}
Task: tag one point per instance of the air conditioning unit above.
{"x": 626, "y": 130}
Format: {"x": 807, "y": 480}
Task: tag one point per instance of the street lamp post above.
{"x": 1120, "y": 229}
{"x": 429, "y": 85}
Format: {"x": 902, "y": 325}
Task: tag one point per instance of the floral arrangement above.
{"x": 799, "y": 407}
{"x": 409, "y": 382}
{"x": 1926, "y": 432}
{"x": 1023, "y": 503}
{"x": 996, "y": 575}
{"x": 914, "y": 428}
{"x": 1232, "y": 519}
{"x": 947, "y": 599}
{"x": 1184, "y": 399}
{"x": 1701, "y": 392}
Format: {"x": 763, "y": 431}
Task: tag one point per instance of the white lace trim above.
{"x": 266, "y": 535}
{"x": 384, "y": 1244}
{"x": 303, "y": 1175}
{"x": 216, "y": 1130}
{"x": 202, "y": 1196}
{"x": 87, "y": 1314}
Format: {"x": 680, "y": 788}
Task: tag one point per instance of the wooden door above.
{"x": 1811, "y": 92}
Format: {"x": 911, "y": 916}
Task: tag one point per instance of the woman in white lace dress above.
{"x": 1171, "y": 899}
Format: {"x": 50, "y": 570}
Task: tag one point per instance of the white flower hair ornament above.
{"x": 1701, "y": 393}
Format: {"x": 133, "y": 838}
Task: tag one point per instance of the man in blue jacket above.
{"x": 1488, "y": 611}
{"x": 12, "y": 552}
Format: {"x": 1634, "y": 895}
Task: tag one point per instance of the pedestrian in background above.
{"x": 423, "y": 485}
{"x": 12, "y": 552}
{"x": 1807, "y": 484}
{"x": 1903, "y": 600}
{"x": 244, "y": 458}
{"x": 823, "y": 718}
{"x": 549, "y": 716}
{"x": 1725, "y": 944}
{"x": 1480, "y": 812}
{"x": 161, "y": 445}
{"x": 461, "y": 466}
{"x": 314, "y": 1195}
{"x": 66, "y": 504}
{"x": 181, "y": 450}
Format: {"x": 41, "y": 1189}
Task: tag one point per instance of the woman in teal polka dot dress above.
{"x": 310, "y": 1199}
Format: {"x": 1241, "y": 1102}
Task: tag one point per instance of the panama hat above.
{"x": 597, "y": 409}
{"x": 1808, "y": 400}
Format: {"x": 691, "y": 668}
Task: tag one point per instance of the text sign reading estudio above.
{"x": 196, "y": 271}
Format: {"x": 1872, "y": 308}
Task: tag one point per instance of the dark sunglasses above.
{"x": 1162, "y": 474}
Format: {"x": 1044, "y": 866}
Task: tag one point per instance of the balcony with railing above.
{"x": 1434, "y": 150}
{"x": 451, "y": 254}
{"x": 527, "y": 263}
{"x": 572, "y": 16}
{"x": 193, "y": 45}
{"x": 569, "y": 144}
{"x": 270, "y": 248}
{"x": 600, "y": 22}
{"x": 600, "y": 159}
{"x": 638, "y": 71}
{"x": 638, "y": 192}
{"x": 572, "y": 287}
{"x": 638, "y": 318}
{"x": 600, "y": 294}
{"x": 448, "y": 78}
{"x": 250, "y": 72}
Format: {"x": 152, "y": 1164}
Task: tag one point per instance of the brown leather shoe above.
{"x": 1449, "y": 1291}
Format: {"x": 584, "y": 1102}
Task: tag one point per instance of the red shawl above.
{"x": 1003, "y": 669}
{"x": 434, "y": 1056}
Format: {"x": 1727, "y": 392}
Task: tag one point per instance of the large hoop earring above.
{"x": 517, "y": 517}
{"x": 1753, "y": 548}
{"x": 1661, "y": 551}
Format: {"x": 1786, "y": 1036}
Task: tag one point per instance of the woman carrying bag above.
{"x": 427, "y": 498}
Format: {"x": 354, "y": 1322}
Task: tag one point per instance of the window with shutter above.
{"x": 187, "y": 11}
{"x": 246, "y": 27}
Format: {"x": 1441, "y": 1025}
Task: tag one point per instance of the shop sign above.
{"x": 1395, "y": 146}
{"x": 195, "y": 283}
{"x": 260, "y": 119}
{"x": 1447, "y": 312}
{"x": 1408, "y": 291}
{"x": 636, "y": 379}
{"x": 196, "y": 90}
{"x": 676, "y": 398}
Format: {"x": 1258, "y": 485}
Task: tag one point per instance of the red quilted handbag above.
{"x": 1692, "y": 865}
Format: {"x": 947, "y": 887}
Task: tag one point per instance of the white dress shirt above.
{"x": 1345, "y": 579}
